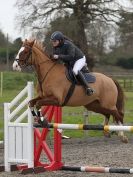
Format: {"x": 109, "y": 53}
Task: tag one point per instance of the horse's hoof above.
{"x": 125, "y": 139}
{"x": 114, "y": 133}
{"x": 107, "y": 134}
{"x": 43, "y": 122}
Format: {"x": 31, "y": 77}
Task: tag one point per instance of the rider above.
{"x": 71, "y": 55}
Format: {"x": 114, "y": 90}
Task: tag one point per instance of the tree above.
{"x": 98, "y": 34}
{"x": 2, "y": 39}
{"x": 122, "y": 49}
{"x": 11, "y": 47}
{"x": 17, "y": 43}
{"x": 65, "y": 24}
{"x": 39, "y": 13}
{"x": 125, "y": 28}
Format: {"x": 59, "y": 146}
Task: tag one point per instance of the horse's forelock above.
{"x": 37, "y": 44}
{"x": 26, "y": 42}
{"x": 29, "y": 42}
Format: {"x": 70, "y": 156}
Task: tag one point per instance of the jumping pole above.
{"x": 88, "y": 127}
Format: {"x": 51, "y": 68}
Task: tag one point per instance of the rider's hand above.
{"x": 56, "y": 56}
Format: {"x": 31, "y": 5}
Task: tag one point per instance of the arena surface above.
{"x": 109, "y": 152}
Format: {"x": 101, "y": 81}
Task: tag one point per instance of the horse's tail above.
{"x": 120, "y": 99}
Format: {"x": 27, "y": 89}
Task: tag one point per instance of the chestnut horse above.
{"x": 53, "y": 86}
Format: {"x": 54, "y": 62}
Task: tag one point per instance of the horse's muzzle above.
{"x": 16, "y": 66}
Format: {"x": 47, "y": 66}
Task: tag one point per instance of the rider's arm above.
{"x": 70, "y": 54}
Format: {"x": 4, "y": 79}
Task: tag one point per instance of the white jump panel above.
{"x": 19, "y": 130}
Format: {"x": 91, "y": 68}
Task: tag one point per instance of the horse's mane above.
{"x": 39, "y": 45}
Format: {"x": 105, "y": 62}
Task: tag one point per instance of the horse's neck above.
{"x": 41, "y": 63}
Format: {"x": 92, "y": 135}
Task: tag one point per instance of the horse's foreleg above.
{"x": 32, "y": 104}
{"x": 33, "y": 101}
{"x": 47, "y": 101}
{"x": 44, "y": 102}
{"x": 36, "y": 103}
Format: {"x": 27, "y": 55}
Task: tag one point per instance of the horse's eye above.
{"x": 23, "y": 52}
{"x": 26, "y": 50}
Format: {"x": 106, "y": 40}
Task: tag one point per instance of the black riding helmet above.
{"x": 57, "y": 35}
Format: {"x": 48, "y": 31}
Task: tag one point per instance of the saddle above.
{"x": 75, "y": 80}
{"x": 89, "y": 77}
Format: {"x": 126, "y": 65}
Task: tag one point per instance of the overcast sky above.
{"x": 7, "y": 18}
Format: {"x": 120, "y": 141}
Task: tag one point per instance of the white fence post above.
{"x": 6, "y": 145}
{"x": 30, "y": 128}
{"x": 1, "y": 85}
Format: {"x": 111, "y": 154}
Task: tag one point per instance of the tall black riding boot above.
{"x": 89, "y": 91}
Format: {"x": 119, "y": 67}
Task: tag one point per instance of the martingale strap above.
{"x": 69, "y": 94}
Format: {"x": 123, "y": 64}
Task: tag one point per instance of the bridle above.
{"x": 26, "y": 60}
{"x": 26, "y": 63}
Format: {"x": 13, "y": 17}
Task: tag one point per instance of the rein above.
{"x": 44, "y": 62}
{"x": 46, "y": 72}
{"x": 41, "y": 81}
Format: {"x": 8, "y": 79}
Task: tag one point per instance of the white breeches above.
{"x": 79, "y": 64}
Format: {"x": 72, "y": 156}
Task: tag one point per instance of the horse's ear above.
{"x": 24, "y": 41}
{"x": 32, "y": 43}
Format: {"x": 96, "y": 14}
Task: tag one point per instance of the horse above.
{"x": 53, "y": 86}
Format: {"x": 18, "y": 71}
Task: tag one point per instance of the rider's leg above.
{"x": 79, "y": 64}
{"x": 89, "y": 91}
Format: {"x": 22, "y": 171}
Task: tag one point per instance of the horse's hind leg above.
{"x": 106, "y": 122}
{"x": 96, "y": 107}
{"x": 119, "y": 120}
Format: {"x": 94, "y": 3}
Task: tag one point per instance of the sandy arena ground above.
{"x": 92, "y": 151}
